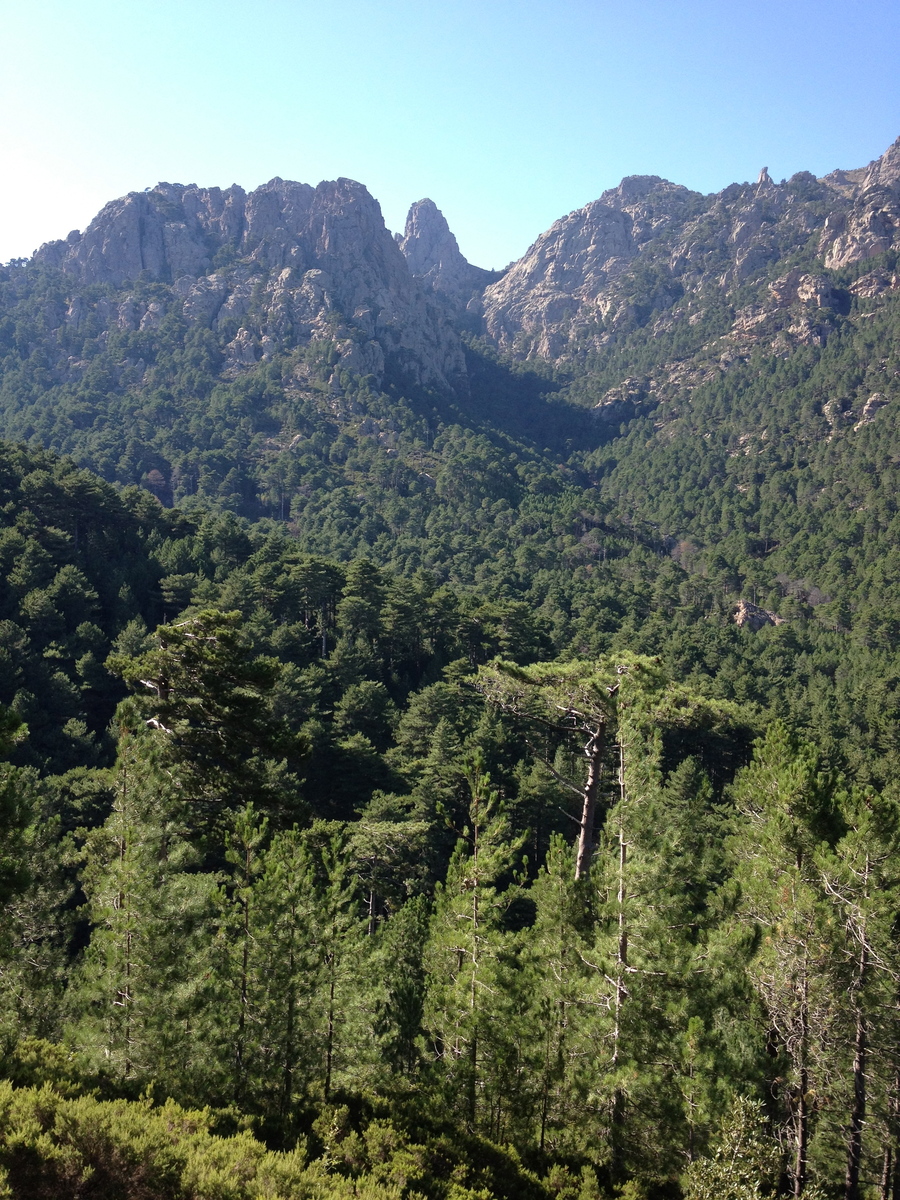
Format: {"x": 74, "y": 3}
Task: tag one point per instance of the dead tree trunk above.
{"x": 594, "y": 750}
{"x": 802, "y": 1115}
{"x": 858, "y": 1112}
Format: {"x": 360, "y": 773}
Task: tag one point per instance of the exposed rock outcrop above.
{"x": 873, "y": 283}
{"x": 875, "y": 402}
{"x": 435, "y": 259}
{"x": 167, "y": 232}
{"x": 639, "y": 250}
{"x": 295, "y": 263}
{"x": 288, "y": 264}
{"x": 754, "y": 617}
{"x": 562, "y": 273}
{"x": 872, "y": 224}
{"x": 560, "y": 287}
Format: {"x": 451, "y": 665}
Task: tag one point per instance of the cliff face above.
{"x": 870, "y": 225}
{"x": 434, "y": 258}
{"x": 289, "y": 264}
{"x": 650, "y": 248}
{"x": 567, "y": 277}
{"x": 284, "y": 265}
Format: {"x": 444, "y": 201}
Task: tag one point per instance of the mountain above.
{"x": 566, "y": 280}
{"x": 345, "y": 587}
{"x": 284, "y": 265}
{"x": 653, "y": 248}
{"x": 280, "y": 354}
{"x": 434, "y": 258}
{"x": 290, "y": 264}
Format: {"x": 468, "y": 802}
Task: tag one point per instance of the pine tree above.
{"x": 136, "y": 993}
{"x": 264, "y": 1008}
{"x": 863, "y": 880}
{"x": 239, "y": 949}
{"x": 561, "y": 995}
{"x": 464, "y": 1008}
{"x": 205, "y": 697}
{"x": 787, "y": 804}
{"x": 400, "y": 1004}
{"x": 340, "y": 942}
{"x": 285, "y": 913}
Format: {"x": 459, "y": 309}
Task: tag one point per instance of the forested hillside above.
{"x": 450, "y": 721}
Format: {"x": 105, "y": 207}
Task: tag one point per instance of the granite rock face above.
{"x": 563, "y": 282}
{"x": 871, "y": 225}
{"x": 289, "y": 263}
{"x": 650, "y": 251}
{"x": 754, "y": 617}
{"x": 434, "y": 258}
{"x": 644, "y": 247}
{"x": 562, "y": 274}
{"x": 168, "y": 232}
{"x": 875, "y": 402}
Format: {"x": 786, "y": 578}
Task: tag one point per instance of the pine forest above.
{"x": 450, "y": 719}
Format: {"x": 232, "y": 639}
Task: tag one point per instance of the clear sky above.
{"x": 507, "y": 113}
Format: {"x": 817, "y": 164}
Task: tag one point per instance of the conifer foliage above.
{"x": 406, "y": 815}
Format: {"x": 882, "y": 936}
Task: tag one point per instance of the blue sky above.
{"x": 507, "y": 115}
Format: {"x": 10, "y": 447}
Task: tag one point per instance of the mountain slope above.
{"x": 284, "y": 265}
{"x": 368, "y": 606}
{"x": 702, "y": 368}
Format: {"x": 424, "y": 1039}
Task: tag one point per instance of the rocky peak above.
{"x": 567, "y": 281}
{"x": 276, "y": 214}
{"x": 434, "y": 258}
{"x": 871, "y": 226}
{"x": 559, "y": 275}
{"x": 427, "y": 243}
{"x": 884, "y": 171}
{"x": 165, "y": 231}
{"x": 632, "y": 190}
{"x": 637, "y": 194}
{"x": 652, "y": 203}
{"x": 290, "y": 262}
{"x": 650, "y": 246}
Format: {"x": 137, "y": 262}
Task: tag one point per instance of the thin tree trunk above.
{"x": 622, "y": 939}
{"x": 245, "y": 990}
{"x": 473, "y": 1069}
{"x": 858, "y": 1113}
{"x": 892, "y": 1150}
{"x": 887, "y": 1171}
{"x": 287, "y": 1094}
{"x": 545, "y": 1090}
{"x": 802, "y": 1135}
{"x": 618, "y": 1102}
{"x": 126, "y": 998}
{"x": 594, "y": 751}
{"x": 329, "y": 1045}
{"x": 860, "y": 1055}
{"x": 802, "y": 1126}
{"x": 476, "y": 959}
{"x": 123, "y": 905}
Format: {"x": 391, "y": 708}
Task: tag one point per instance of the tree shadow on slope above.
{"x": 511, "y": 399}
{"x": 525, "y": 403}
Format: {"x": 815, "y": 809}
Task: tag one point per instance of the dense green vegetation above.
{"x": 391, "y": 805}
